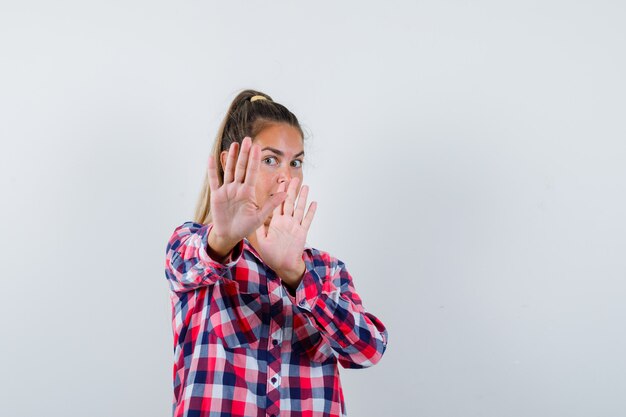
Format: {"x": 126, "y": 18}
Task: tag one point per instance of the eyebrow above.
{"x": 280, "y": 153}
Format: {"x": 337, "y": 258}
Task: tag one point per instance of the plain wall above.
{"x": 468, "y": 159}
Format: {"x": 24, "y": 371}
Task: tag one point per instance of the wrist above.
{"x": 218, "y": 247}
{"x": 292, "y": 277}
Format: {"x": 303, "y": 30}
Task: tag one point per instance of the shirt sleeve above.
{"x": 327, "y": 294}
{"x": 187, "y": 263}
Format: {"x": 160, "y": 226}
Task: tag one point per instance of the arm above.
{"x": 190, "y": 261}
{"x": 188, "y": 264}
{"x": 326, "y": 294}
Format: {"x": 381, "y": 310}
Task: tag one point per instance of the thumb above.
{"x": 260, "y": 233}
{"x": 272, "y": 203}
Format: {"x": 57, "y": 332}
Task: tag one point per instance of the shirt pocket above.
{"x": 308, "y": 340}
{"x": 235, "y": 317}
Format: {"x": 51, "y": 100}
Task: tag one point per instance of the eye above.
{"x": 297, "y": 163}
{"x": 270, "y": 160}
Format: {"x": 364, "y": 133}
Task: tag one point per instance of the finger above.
{"x": 292, "y": 191}
{"x": 299, "y": 213}
{"x": 260, "y": 233}
{"x": 274, "y": 203}
{"x": 214, "y": 182}
{"x": 278, "y": 210}
{"x": 254, "y": 162}
{"x": 309, "y": 215}
{"x": 230, "y": 162}
{"x": 242, "y": 160}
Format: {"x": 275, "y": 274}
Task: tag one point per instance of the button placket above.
{"x": 276, "y": 338}
{"x": 275, "y": 381}
{"x": 274, "y": 341}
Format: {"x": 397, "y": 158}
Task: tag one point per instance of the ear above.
{"x": 223, "y": 157}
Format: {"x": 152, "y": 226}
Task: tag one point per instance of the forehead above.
{"x": 281, "y": 136}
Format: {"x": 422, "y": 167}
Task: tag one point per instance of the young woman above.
{"x": 261, "y": 321}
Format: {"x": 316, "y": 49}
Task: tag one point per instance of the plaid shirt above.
{"x": 245, "y": 347}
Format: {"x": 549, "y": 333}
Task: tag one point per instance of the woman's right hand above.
{"x": 234, "y": 209}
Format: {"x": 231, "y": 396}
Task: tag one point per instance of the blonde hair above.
{"x": 245, "y": 117}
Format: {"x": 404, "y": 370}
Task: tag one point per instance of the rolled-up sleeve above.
{"x": 187, "y": 262}
{"x": 327, "y": 293}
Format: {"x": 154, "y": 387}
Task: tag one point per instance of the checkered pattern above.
{"x": 245, "y": 347}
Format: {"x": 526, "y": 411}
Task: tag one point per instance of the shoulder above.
{"x": 189, "y": 226}
{"x": 185, "y": 231}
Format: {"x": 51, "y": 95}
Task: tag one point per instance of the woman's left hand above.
{"x": 282, "y": 243}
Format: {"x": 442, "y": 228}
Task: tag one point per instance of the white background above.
{"x": 468, "y": 159}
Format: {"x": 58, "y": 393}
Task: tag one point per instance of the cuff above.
{"x": 310, "y": 286}
{"x": 232, "y": 258}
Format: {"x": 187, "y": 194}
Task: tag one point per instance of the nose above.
{"x": 283, "y": 176}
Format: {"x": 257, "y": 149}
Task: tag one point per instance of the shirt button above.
{"x": 274, "y": 342}
{"x": 273, "y": 380}
{"x": 303, "y": 302}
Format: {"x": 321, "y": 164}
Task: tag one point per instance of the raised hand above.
{"x": 234, "y": 209}
{"x": 282, "y": 244}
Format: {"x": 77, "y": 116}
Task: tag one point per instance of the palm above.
{"x": 281, "y": 245}
{"x": 234, "y": 209}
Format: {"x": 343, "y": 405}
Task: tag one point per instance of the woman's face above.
{"x": 282, "y": 156}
